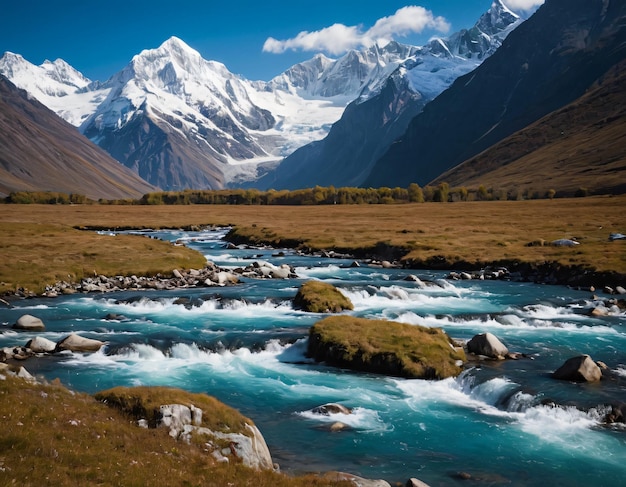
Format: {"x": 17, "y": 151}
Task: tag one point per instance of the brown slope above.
{"x": 582, "y": 145}
{"x": 41, "y": 152}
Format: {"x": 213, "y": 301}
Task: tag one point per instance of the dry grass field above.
{"x": 39, "y": 243}
{"x": 54, "y": 436}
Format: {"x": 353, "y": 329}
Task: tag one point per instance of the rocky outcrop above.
{"x": 488, "y": 345}
{"x": 579, "y": 369}
{"x": 29, "y": 323}
{"x": 194, "y": 418}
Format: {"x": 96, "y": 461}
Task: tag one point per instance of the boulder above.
{"x": 579, "y": 369}
{"x": 354, "y": 480}
{"x": 30, "y": 323}
{"x": 76, "y": 343}
{"x": 41, "y": 345}
{"x": 487, "y": 344}
{"x": 413, "y": 482}
{"x": 331, "y": 408}
{"x": 251, "y": 450}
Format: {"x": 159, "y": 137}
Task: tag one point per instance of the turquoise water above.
{"x": 505, "y": 423}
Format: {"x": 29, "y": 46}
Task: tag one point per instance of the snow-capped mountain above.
{"x": 181, "y": 121}
{"x": 229, "y": 123}
{"x": 56, "y": 85}
{"x": 382, "y": 113}
{"x": 563, "y": 52}
{"x": 348, "y": 77}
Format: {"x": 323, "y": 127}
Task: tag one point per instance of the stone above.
{"x": 251, "y": 450}
{"x": 41, "y": 345}
{"x": 579, "y": 369}
{"x": 30, "y": 323}
{"x": 281, "y": 272}
{"x": 354, "y": 480}
{"x": 76, "y": 343}
{"x": 413, "y": 482}
{"x": 177, "y": 274}
{"x": 620, "y": 290}
{"x": 489, "y": 345}
{"x": 331, "y": 408}
{"x": 338, "y": 426}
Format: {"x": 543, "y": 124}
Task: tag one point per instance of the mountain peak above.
{"x": 177, "y": 45}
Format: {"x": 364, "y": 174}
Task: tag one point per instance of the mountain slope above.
{"x": 369, "y": 125}
{"x": 546, "y": 63}
{"x": 41, "y": 152}
{"x": 182, "y": 121}
{"x": 582, "y": 145}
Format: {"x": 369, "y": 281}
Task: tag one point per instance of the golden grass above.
{"x": 37, "y": 254}
{"x": 144, "y": 403}
{"x": 473, "y": 232}
{"x": 386, "y": 347}
{"x": 52, "y": 436}
{"x": 321, "y": 297}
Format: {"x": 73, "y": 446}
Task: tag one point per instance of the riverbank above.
{"x": 42, "y": 244}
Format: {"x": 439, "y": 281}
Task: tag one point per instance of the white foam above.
{"x": 363, "y": 419}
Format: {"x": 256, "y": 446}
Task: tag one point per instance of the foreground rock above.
{"x": 354, "y": 480}
{"x": 385, "y": 347}
{"x": 189, "y": 417}
{"x": 76, "y": 343}
{"x": 579, "y": 369}
{"x": 488, "y": 345}
{"x": 29, "y": 323}
{"x": 321, "y": 297}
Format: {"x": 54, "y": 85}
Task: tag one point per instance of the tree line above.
{"x": 310, "y": 196}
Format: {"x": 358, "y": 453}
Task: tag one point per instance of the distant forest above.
{"x": 310, "y": 196}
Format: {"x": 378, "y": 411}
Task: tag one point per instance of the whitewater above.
{"x": 506, "y": 422}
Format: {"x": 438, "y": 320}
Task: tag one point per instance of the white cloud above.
{"x": 339, "y": 38}
{"x": 523, "y": 4}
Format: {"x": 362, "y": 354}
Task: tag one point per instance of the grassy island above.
{"x": 385, "y": 347}
{"x": 321, "y": 297}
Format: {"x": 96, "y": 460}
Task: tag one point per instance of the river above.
{"x": 504, "y": 423}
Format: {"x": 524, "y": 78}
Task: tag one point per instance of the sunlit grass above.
{"x": 39, "y": 245}
{"x": 52, "y": 436}
{"x": 385, "y": 347}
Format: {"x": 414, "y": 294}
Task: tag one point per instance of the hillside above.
{"x": 548, "y": 62}
{"x": 579, "y": 146}
{"x": 41, "y": 152}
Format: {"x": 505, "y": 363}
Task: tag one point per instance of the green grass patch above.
{"x": 385, "y": 347}
{"x": 321, "y": 297}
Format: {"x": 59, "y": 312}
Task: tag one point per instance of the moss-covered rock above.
{"x": 321, "y": 297}
{"x": 385, "y": 347}
{"x": 145, "y": 402}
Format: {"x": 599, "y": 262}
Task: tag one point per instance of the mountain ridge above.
{"x": 39, "y": 151}
{"x": 369, "y": 126}
{"x": 546, "y": 63}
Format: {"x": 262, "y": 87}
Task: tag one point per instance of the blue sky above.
{"x": 256, "y": 39}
